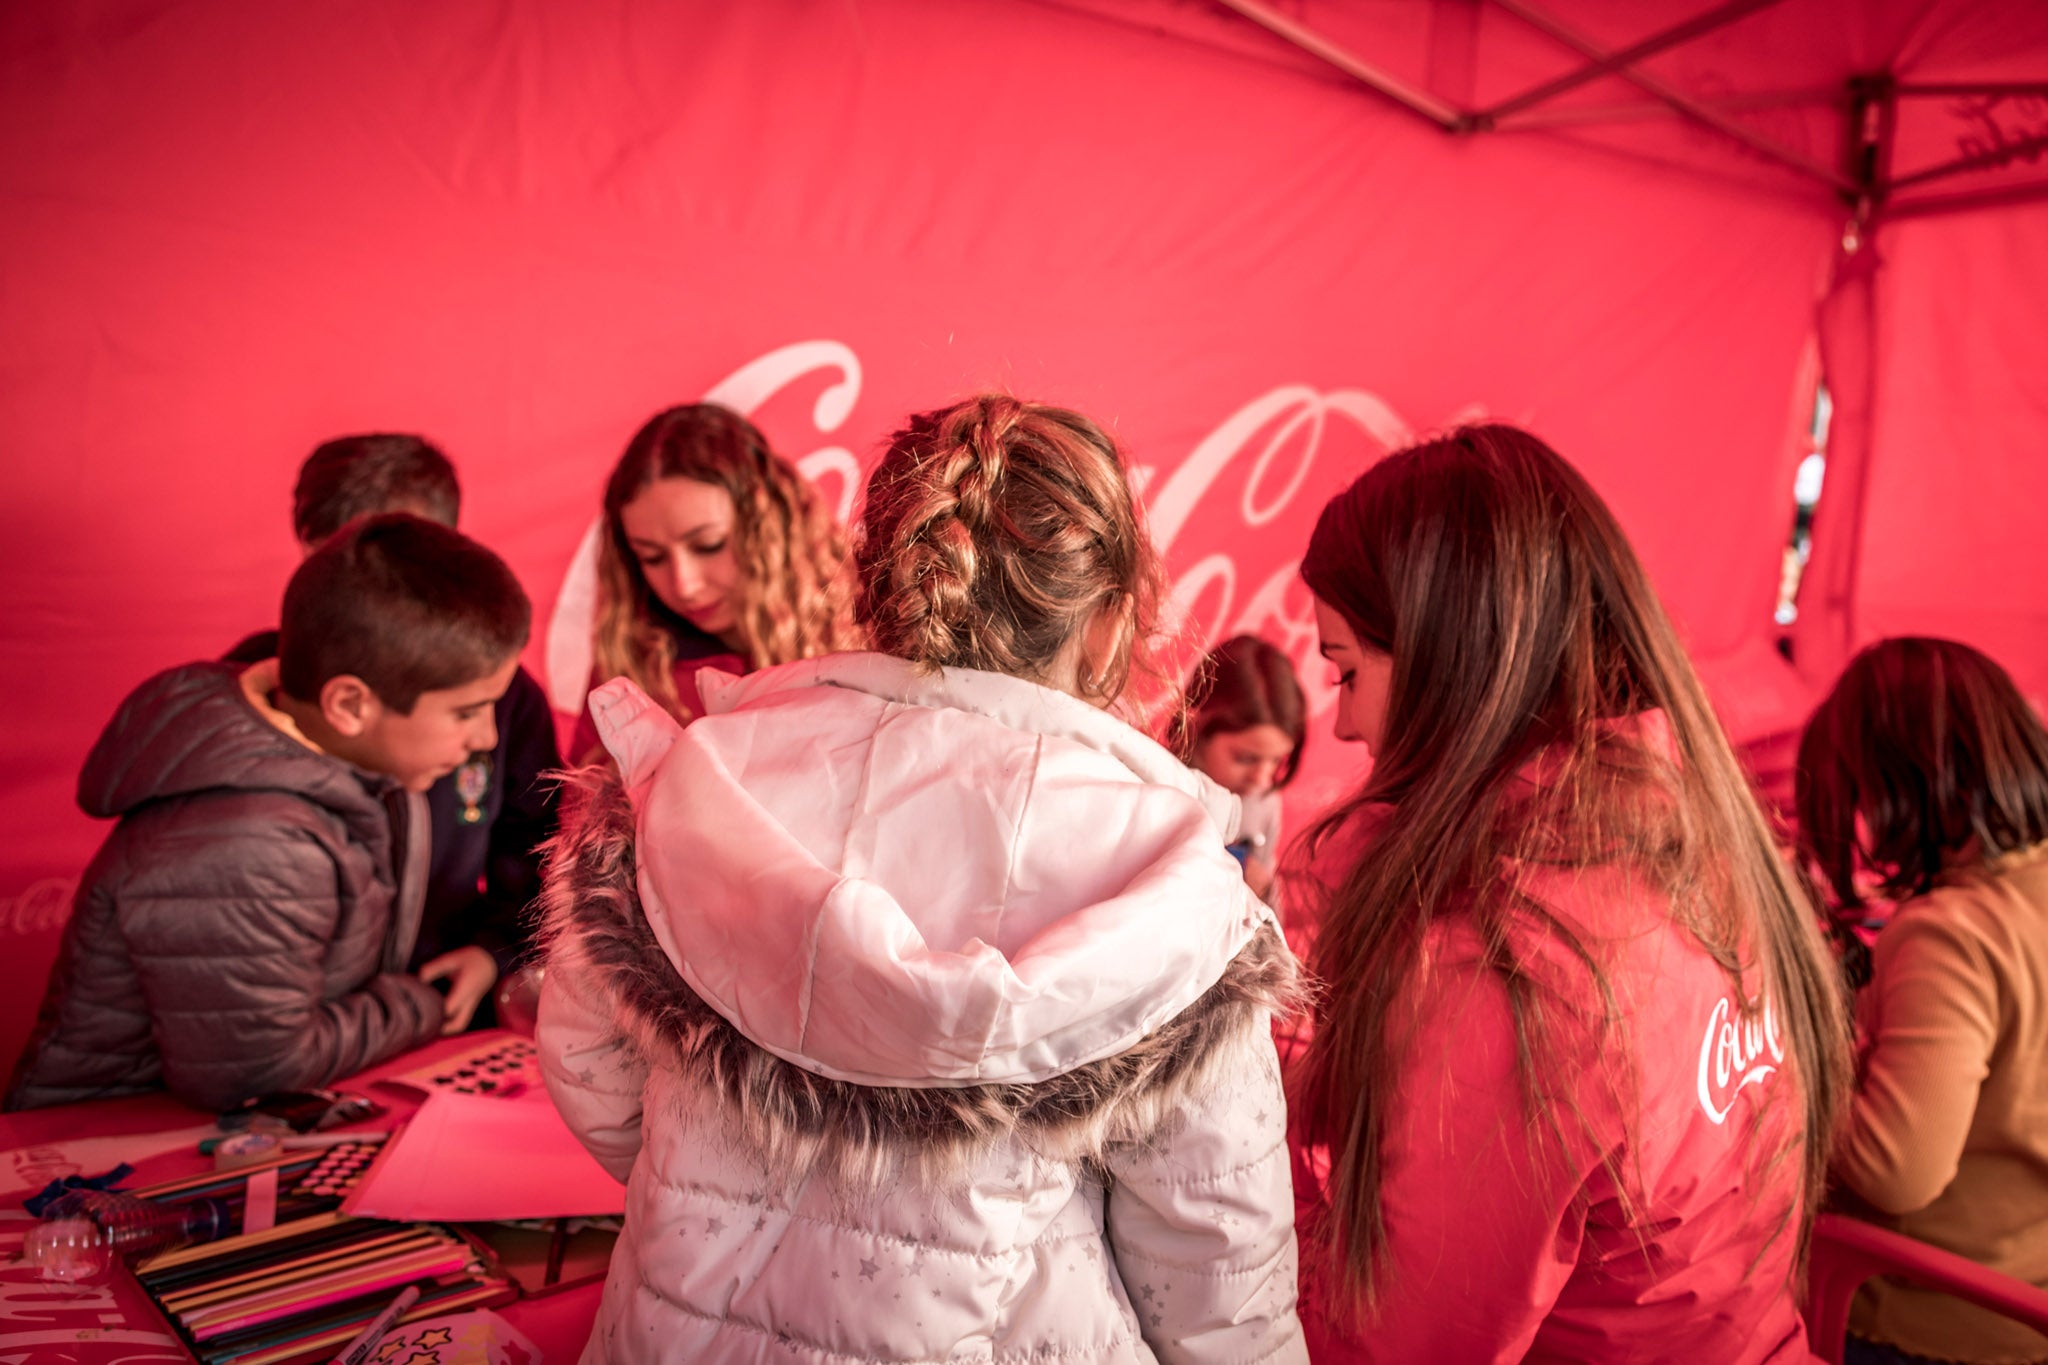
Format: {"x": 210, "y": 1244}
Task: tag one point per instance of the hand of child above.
{"x": 470, "y": 972}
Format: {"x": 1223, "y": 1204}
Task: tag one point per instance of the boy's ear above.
{"x": 349, "y": 705}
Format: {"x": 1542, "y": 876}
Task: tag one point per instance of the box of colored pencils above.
{"x": 300, "y": 1290}
{"x": 303, "y": 1288}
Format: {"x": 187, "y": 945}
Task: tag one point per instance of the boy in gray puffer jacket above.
{"x": 245, "y": 927}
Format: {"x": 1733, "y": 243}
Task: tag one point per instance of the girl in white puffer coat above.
{"x": 912, "y": 994}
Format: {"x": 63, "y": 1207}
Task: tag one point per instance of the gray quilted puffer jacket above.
{"x": 242, "y": 930}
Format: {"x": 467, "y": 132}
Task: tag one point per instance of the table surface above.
{"x": 103, "y": 1323}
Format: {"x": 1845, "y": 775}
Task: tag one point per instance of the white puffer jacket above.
{"x": 926, "y": 1019}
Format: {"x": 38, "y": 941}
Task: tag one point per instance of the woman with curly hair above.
{"x": 912, "y": 993}
{"x": 716, "y": 554}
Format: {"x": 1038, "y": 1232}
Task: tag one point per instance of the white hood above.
{"x": 900, "y": 879}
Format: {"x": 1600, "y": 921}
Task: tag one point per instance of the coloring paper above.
{"x": 472, "y": 1158}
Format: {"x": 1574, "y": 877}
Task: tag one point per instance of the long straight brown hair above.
{"x": 1520, "y": 624}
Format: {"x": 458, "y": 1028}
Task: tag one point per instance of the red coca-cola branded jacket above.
{"x": 1662, "y": 1227}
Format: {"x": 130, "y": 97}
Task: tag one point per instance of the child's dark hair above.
{"x": 1243, "y": 683}
{"x": 1931, "y": 743}
{"x": 357, "y": 476}
{"x": 993, "y": 532}
{"x": 405, "y": 604}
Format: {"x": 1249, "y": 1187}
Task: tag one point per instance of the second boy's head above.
{"x": 398, "y": 635}
{"x": 359, "y": 476}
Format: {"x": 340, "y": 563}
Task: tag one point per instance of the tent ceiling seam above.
{"x": 1678, "y": 99}
{"x": 1649, "y": 109}
{"x": 1613, "y": 63}
{"x": 1520, "y": 111}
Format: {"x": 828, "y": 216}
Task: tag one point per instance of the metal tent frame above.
{"x": 1870, "y": 104}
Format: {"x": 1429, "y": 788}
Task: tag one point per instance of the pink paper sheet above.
{"x": 468, "y": 1158}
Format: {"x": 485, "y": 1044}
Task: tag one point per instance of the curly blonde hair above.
{"x": 794, "y": 597}
{"x": 994, "y": 532}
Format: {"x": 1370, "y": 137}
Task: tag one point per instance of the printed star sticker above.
{"x": 439, "y": 1336}
{"x": 868, "y": 1269}
{"x": 1146, "y": 1290}
{"x": 714, "y": 1227}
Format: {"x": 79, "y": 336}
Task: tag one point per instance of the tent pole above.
{"x": 1628, "y": 56}
{"x": 1678, "y": 99}
{"x": 1407, "y": 96}
{"x": 1826, "y": 634}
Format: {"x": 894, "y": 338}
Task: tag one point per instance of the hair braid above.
{"x": 994, "y": 533}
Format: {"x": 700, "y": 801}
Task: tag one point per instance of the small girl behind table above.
{"x": 1579, "y": 1047}
{"x": 1243, "y": 727}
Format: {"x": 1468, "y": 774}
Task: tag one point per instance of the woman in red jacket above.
{"x": 1579, "y": 1050}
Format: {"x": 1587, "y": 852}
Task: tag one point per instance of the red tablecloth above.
{"x": 113, "y": 1322}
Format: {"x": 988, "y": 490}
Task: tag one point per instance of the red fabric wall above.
{"x": 1958, "y": 470}
{"x": 234, "y": 229}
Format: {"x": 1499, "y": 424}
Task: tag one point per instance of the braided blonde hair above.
{"x": 795, "y": 602}
{"x": 994, "y": 533}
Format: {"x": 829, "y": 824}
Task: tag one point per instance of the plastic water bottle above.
{"x": 82, "y": 1232}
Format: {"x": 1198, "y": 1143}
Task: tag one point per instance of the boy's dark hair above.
{"x": 1932, "y": 748}
{"x": 405, "y": 604}
{"x": 356, "y": 476}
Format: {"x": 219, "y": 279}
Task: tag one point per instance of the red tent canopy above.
{"x": 234, "y": 229}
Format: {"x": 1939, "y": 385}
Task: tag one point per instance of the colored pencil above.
{"x": 233, "y": 1260}
{"x": 309, "y": 1339}
{"x": 324, "y": 1280}
{"x": 319, "y": 1293}
{"x": 227, "y": 1246}
{"x": 257, "y": 1281}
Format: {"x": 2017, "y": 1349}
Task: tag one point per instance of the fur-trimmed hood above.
{"x": 794, "y": 901}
